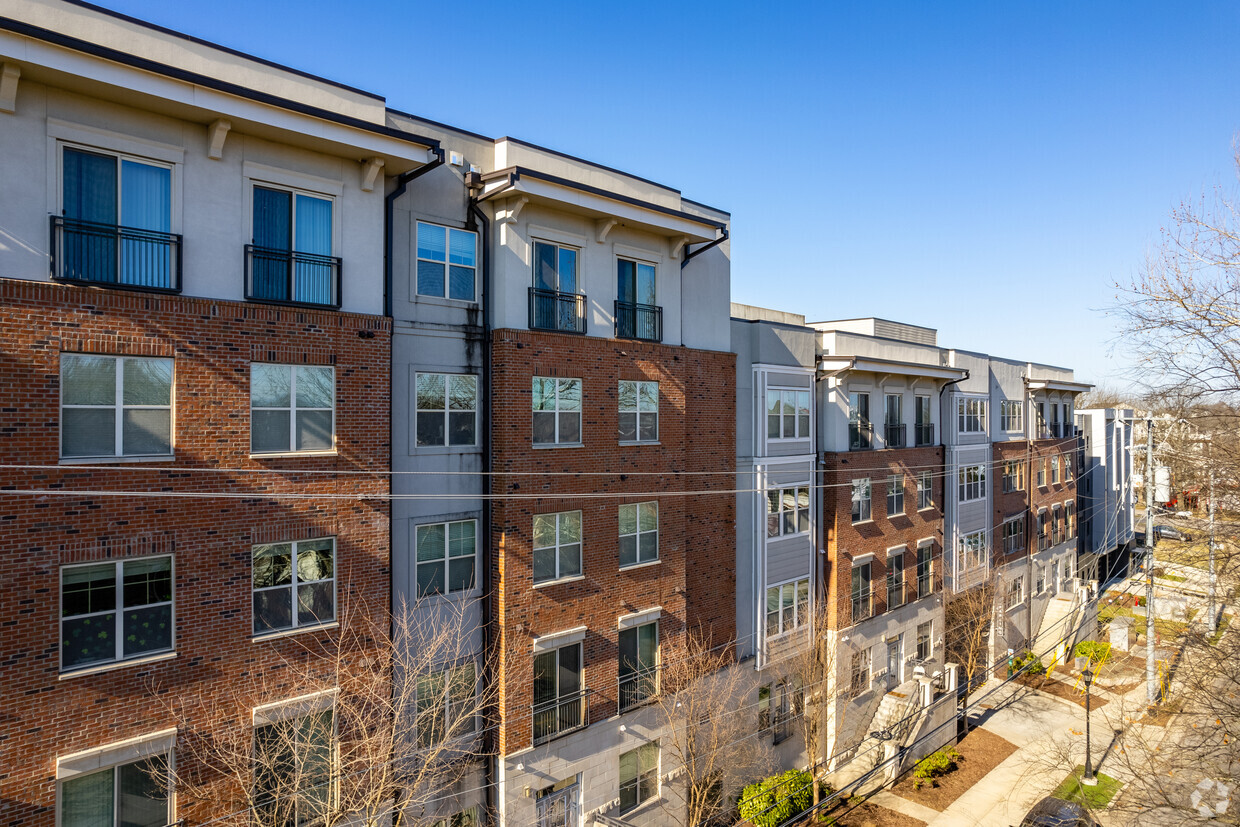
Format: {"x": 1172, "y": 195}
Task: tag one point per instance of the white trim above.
{"x": 641, "y": 618}
{"x": 116, "y": 753}
{"x": 863, "y": 559}
{"x": 558, "y": 640}
{"x": 897, "y": 550}
{"x": 112, "y": 141}
{"x": 117, "y": 664}
{"x": 298, "y": 707}
{"x": 287, "y": 178}
{"x": 928, "y": 541}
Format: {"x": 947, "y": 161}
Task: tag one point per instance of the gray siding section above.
{"x": 788, "y": 558}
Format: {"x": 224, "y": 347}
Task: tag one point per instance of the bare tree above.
{"x": 708, "y": 729}
{"x": 968, "y": 616}
{"x": 370, "y": 721}
{"x": 813, "y": 667}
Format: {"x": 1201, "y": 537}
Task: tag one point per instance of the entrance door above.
{"x": 560, "y": 805}
{"x": 895, "y": 660}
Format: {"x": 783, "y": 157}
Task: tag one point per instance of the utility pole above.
{"x": 1151, "y": 677}
{"x": 1213, "y": 604}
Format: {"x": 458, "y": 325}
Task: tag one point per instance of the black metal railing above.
{"x": 860, "y": 436}
{"x": 894, "y": 434}
{"x": 639, "y": 321}
{"x": 923, "y": 434}
{"x": 553, "y": 310}
{"x": 895, "y": 592}
{"x": 639, "y": 687}
{"x": 558, "y": 717}
{"x": 291, "y": 277}
{"x": 109, "y": 255}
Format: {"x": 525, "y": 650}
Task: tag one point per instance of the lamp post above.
{"x": 1088, "y": 778}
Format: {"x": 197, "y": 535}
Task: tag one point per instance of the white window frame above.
{"x": 292, "y": 586}
{"x": 1011, "y": 415}
{"x": 459, "y": 716}
{"x": 802, "y": 604}
{"x": 1013, "y": 476}
{"x": 118, "y": 609}
{"x": 971, "y": 415}
{"x": 925, "y": 490}
{"x": 559, "y": 516}
{"x": 1012, "y": 529}
{"x": 157, "y": 747}
{"x": 281, "y": 713}
{"x": 638, "y": 779}
{"x": 558, "y": 411}
{"x": 446, "y": 559}
{"x": 859, "y": 672}
{"x": 780, "y": 497}
{"x": 895, "y": 491}
{"x": 1054, "y": 469}
{"x": 972, "y": 483}
{"x": 862, "y": 501}
{"x": 781, "y": 393}
{"x": 972, "y": 548}
{"x": 638, "y": 412}
{"x": 447, "y": 411}
{"x": 292, "y": 411}
{"x": 928, "y": 638}
{"x": 118, "y": 407}
{"x": 895, "y": 563}
{"x": 122, "y": 148}
{"x": 642, "y": 539}
{"x": 447, "y": 263}
{"x": 1015, "y": 594}
{"x": 866, "y": 594}
{"x": 1069, "y": 516}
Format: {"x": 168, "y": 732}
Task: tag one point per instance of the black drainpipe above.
{"x": 389, "y": 203}
{"x": 944, "y": 444}
{"x": 723, "y": 236}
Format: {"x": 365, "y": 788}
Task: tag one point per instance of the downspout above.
{"x": 947, "y": 499}
{"x": 1029, "y": 518}
{"x": 389, "y": 205}
{"x": 723, "y": 236}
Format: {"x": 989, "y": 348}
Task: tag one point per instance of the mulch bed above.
{"x": 982, "y": 751}
{"x": 1060, "y": 689}
{"x": 872, "y": 815}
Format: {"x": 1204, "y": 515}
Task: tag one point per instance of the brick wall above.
{"x": 1006, "y": 505}
{"x": 213, "y": 344}
{"x": 846, "y": 541}
{"x": 694, "y": 579}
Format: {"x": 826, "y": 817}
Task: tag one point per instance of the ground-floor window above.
{"x": 133, "y": 795}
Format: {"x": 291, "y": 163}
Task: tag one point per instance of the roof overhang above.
{"x": 858, "y": 364}
{"x": 599, "y": 204}
{"x": 1058, "y": 385}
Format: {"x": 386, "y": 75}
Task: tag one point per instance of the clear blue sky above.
{"x": 990, "y": 169}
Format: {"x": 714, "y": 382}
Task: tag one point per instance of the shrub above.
{"x": 1030, "y": 663}
{"x": 934, "y": 765}
{"x": 1097, "y": 651}
{"x": 772, "y": 801}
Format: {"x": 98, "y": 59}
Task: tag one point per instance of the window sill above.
{"x": 287, "y": 454}
{"x": 298, "y": 630}
{"x": 445, "y": 449}
{"x": 629, "y": 442}
{"x": 644, "y": 565}
{"x": 862, "y": 522}
{"x": 927, "y": 508}
{"x": 542, "y": 446}
{"x": 443, "y": 301}
{"x": 559, "y": 582}
{"x": 119, "y": 664}
{"x": 114, "y": 460}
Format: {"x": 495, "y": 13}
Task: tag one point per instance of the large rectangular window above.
{"x": 557, "y": 546}
{"x": 787, "y": 511}
{"x": 639, "y": 776}
{"x": 559, "y": 697}
{"x": 1069, "y": 509}
{"x": 290, "y": 255}
{"x": 447, "y": 412}
{"x": 557, "y": 411}
{"x": 1044, "y": 532}
{"x": 973, "y": 550}
{"x": 895, "y": 495}
{"x": 893, "y": 420}
{"x": 925, "y": 645}
{"x": 925, "y": 490}
{"x": 861, "y": 500}
{"x": 787, "y": 414}
{"x": 787, "y": 607}
{"x": 639, "y": 533}
{"x": 895, "y": 579}
{"x": 972, "y": 483}
{"x": 1054, "y": 469}
{"x": 447, "y": 262}
{"x": 447, "y": 554}
{"x": 971, "y": 415}
{"x": 639, "y": 664}
{"x": 638, "y": 315}
{"x": 292, "y": 408}
{"x": 922, "y": 422}
{"x": 859, "y": 680}
{"x": 860, "y": 430}
{"x": 1013, "y": 476}
{"x": 294, "y": 584}
{"x": 862, "y": 594}
{"x": 1015, "y": 594}
{"x": 1011, "y": 415}
{"x": 129, "y": 795}
{"x": 1014, "y": 536}
{"x": 446, "y": 705}
{"x": 115, "y": 611}
{"x": 114, "y": 406}
{"x": 555, "y": 301}
{"x": 925, "y": 582}
{"x": 293, "y": 778}
{"x": 639, "y": 411}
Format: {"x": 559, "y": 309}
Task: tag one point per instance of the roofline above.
{"x": 439, "y": 124}
{"x": 719, "y": 210}
{"x": 871, "y": 318}
{"x": 872, "y": 364}
{"x": 146, "y": 24}
{"x": 594, "y": 164}
{"x": 147, "y": 65}
{"x": 772, "y": 323}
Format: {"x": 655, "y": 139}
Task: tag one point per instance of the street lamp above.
{"x": 1088, "y": 778}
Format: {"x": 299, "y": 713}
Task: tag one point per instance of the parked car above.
{"x": 1055, "y": 812}
{"x": 1168, "y": 532}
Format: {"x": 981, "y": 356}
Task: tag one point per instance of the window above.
{"x": 1042, "y": 429}
{"x": 862, "y": 594}
{"x": 557, "y": 546}
{"x": 787, "y": 511}
{"x": 115, "y": 611}
{"x": 860, "y": 431}
{"x": 1043, "y": 531}
{"x": 559, "y": 804}
{"x": 1055, "y": 469}
{"x": 639, "y": 411}
{"x": 559, "y": 704}
{"x": 971, "y": 416}
{"x": 895, "y": 579}
{"x": 1013, "y": 476}
{"x": 1015, "y": 593}
{"x": 555, "y": 303}
{"x": 972, "y": 483}
{"x": 895, "y": 495}
{"x": 294, "y": 584}
{"x": 787, "y": 607}
{"x": 1041, "y": 581}
{"x": 555, "y": 267}
{"x": 893, "y": 420}
{"x": 1056, "y": 525}
{"x": 115, "y": 223}
{"x": 293, "y": 769}
{"x": 860, "y": 678}
{"x": 1069, "y": 460}
{"x": 465, "y": 818}
{"x": 925, "y": 649}
{"x": 925, "y": 491}
{"x": 639, "y": 664}
{"x": 1041, "y": 473}
{"x": 1011, "y": 415}
{"x": 557, "y": 411}
{"x": 1014, "y": 536}
{"x": 446, "y": 705}
{"x": 787, "y": 414}
{"x": 639, "y": 776}
{"x": 1069, "y": 509}
{"x": 923, "y": 424}
{"x": 446, "y": 555}
{"x": 639, "y": 533}
{"x": 861, "y": 500}
{"x": 290, "y": 255}
{"x": 638, "y": 315}
{"x": 925, "y": 584}
{"x": 447, "y": 412}
{"x": 129, "y": 795}
{"x": 446, "y": 251}
{"x": 973, "y": 550}
{"x": 789, "y": 697}
{"x": 292, "y": 408}
{"x": 114, "y": 406}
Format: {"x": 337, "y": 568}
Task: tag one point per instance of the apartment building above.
{"x": 1105, "y": 489}
{"x": 196, "y": 374}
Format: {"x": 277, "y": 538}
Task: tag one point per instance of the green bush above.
{"x": 1030, "y": 663}
{"x": 1097, "y": 651}
{"x": 772, "y": 801}
{"x": 934, "y": 765}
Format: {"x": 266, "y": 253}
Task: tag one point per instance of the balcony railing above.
{"x": 108, "y": 255}
{"x": 923, "y": 434}
{"x": 639, "y": 687}
{"x": 639, "y": 321}
{"x": 558, "y": 717}
{"x": 862, "y": 606}
{"x": 553, "y": 310}
{"x": 291, "y": 277}
{"x": 894, "y": 434}
{"x": 860, "y": 436}
{"x": 925, "y": 586}
{"x": 895, "y": 593}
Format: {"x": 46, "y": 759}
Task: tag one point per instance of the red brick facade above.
{"x": 694, "y": 580}
{"x": 1031, "y": 497}
{"x": 846, "y": 540}
{"x": 213, "y": 344}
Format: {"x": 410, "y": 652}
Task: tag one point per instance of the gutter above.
{"x": 389, "y": 203}
{"x": 723, "y": 236}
